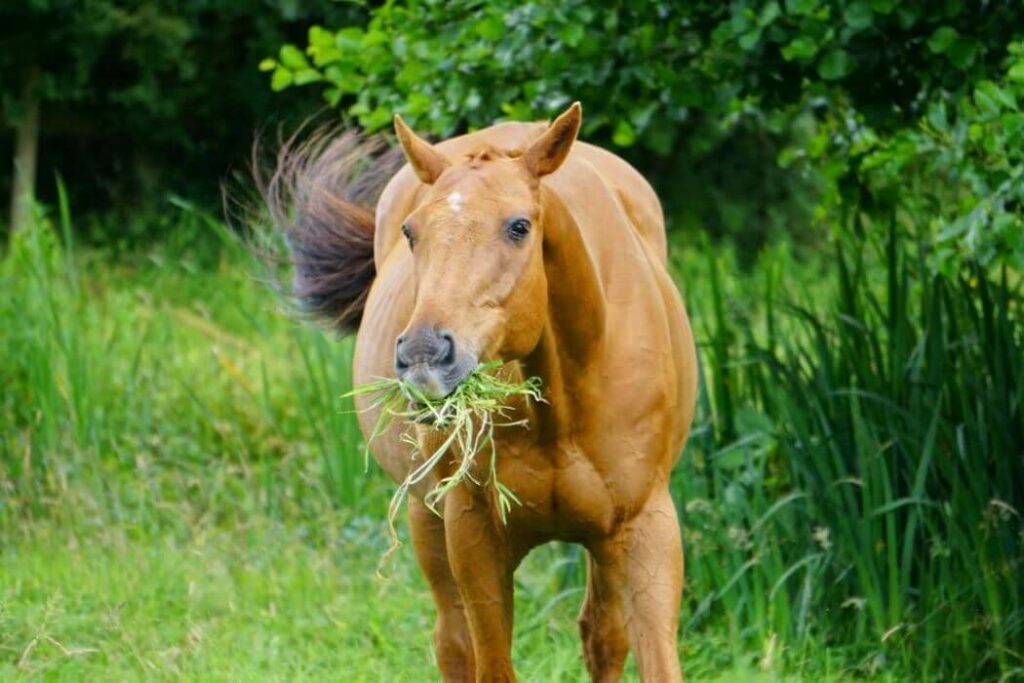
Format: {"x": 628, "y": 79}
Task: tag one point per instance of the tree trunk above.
{"x": 26, "y": 154}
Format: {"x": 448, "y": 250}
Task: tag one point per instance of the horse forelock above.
{"x": 477, "y": 158}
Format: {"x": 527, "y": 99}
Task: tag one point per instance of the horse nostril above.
{"x": 447, "y": 351}
{"x": 428, "y": 347}
{"x": 400, "y": 362}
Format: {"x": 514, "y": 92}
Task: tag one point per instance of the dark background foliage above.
{"x": 145, "y": 99}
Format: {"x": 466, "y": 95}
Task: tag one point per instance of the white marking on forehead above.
{"x": 456, "y": 200}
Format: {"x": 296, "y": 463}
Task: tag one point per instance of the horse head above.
{"x": 477, "y": 241}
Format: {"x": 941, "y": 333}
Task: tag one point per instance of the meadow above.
{"x": 183, "y": 492}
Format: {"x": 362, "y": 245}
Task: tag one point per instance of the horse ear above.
{"x": 424, "y": 158}
{"x": 548, "y": 152}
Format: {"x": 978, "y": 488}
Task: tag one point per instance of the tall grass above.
{"x": 859, "y": 482}
{"x": 164, "y": 362}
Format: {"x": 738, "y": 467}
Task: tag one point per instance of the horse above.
{"x": 516, "y": 243}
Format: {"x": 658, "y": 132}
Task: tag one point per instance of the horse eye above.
{"x": 407, "y": 231}
{"x": 518, "y": 229}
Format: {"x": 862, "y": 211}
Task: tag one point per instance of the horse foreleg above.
{"x": 605, "y": 643}
{"x": 452, "y": 642}
{"x": 482, "y": 562}
{"x": 645, "y": 559}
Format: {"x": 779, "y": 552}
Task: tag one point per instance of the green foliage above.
{"x": 501, "y": 59}
{"x": 641, "y": 68}
{"x": 970, "y": 149}
{"x": 826, "y": 83}
{"x": 858, "y": 476}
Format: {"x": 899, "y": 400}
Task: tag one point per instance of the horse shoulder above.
{"x": 647, "y": 365}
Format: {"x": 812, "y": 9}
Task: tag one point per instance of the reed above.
{"x": 856, "y": 477}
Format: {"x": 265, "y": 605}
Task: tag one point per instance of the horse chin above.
{"x": 429, "y": 382}
{"x": 435, "y": 384}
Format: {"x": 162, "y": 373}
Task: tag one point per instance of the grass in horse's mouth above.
{"x": 465, "y": 418}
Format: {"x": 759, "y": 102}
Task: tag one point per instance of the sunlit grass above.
{"x": 264, "y": 601}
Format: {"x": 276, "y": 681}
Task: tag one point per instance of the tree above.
{"x": 45, "y": 57}
{"x": 131, "y": 100}
{"x": 26, "y": 150}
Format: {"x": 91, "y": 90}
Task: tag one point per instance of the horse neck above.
{"x": 565, "y": 357}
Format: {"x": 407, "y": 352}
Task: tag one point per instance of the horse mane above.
{"x": 322, "y": 194}
{"x": 486, "y": 151}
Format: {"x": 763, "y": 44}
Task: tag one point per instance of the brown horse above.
{"x": 520, "y": 244}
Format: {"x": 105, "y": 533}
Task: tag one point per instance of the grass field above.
{"x": 270, "y": 599}
{"x": 182, "y": 492}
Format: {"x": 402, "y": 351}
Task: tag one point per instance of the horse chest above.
{"x": 583, "y": 498}
{"x": 569, "y": 493}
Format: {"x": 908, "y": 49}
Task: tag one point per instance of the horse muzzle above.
{"x": 430, "y": 361}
